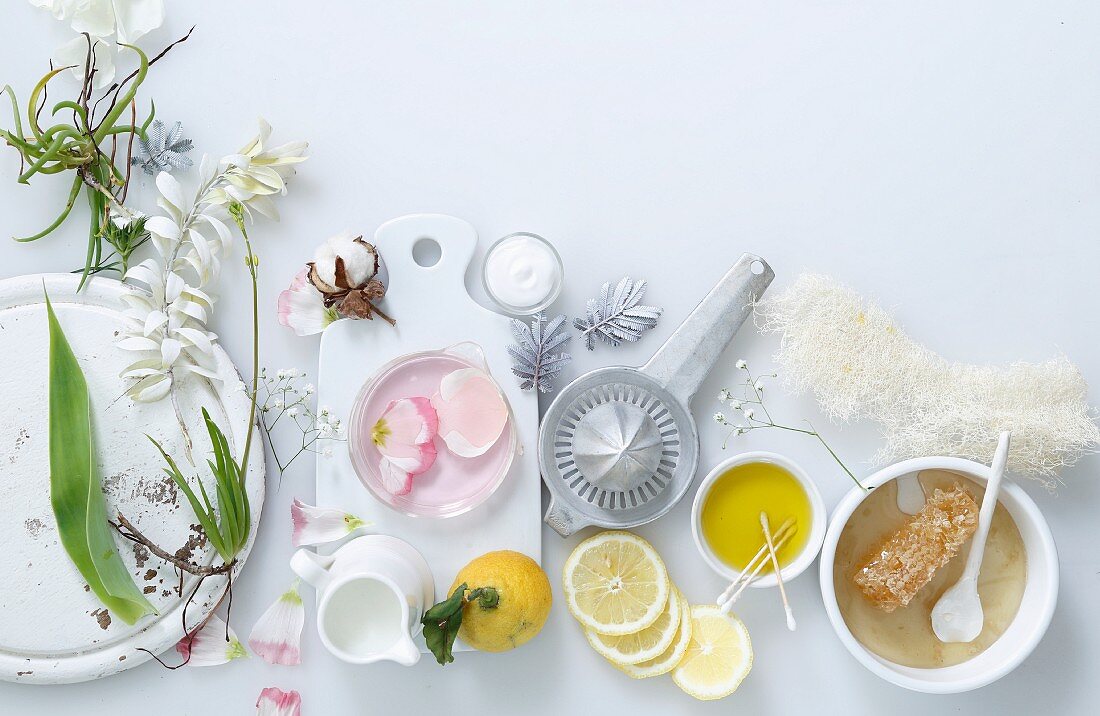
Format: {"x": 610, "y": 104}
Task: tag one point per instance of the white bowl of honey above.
{"x": 725, "y": 517}
{"x": 879, "y": 583}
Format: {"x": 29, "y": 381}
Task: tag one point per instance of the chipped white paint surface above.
{"x": 433, "y": 311}
{"x": 52, "y": 629}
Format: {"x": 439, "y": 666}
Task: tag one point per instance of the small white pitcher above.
{"x": 370, "y": 595}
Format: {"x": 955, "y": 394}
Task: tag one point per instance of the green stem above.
{"x": 73, "y": 193}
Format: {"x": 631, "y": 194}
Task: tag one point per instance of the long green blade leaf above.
{"x": 75, "y": 489}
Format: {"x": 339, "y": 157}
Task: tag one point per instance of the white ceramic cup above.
{"x": 1021, "y": 636}
{"x": 817, "y": 516}
{"x": 370, "y": 595}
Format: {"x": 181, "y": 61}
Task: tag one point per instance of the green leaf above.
{"x": 75, "y": 490}
{"x": 441, "y": 624}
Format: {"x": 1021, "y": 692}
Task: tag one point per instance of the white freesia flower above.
{"x": 258, "y": 171}
{"x": 277, "y": 636}
{"x": 124, "y": 20}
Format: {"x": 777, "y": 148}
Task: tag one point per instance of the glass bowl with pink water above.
{"x": 453, "y": 485}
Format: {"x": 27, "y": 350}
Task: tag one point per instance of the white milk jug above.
{"x": 370, "y": 595}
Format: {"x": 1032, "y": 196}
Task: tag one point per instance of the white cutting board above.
{"x": 433, "y": 310}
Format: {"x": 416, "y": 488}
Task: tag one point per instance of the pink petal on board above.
{"x": 395, "y": 480}
{"x": 472, "y": 412}
{"x": 403, "y": 435}
{"x": 276, "y": 702}
{"x": 277, "y": 636}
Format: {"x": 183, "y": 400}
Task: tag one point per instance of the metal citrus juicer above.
{"x": 618, "y": 446}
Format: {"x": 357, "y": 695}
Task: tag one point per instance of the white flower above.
{"x": 292, "y": 412}
{"x": 719, "y": 418}
{"x": 747, "y": 412}
{"x": 209, "y": 646}
{"x": 724, "y": 395}
{"x": 276, "y": 702}
{"x": 741, "y": 364}
{"x": 256, "y": 172}
{"x": 759, "y": 385}
{"x": 308, "y": 390}
{"x": 324, "y": 429}
{"x": 302, "y": 308}
{"x": 125, "y": 20}
{"x": 74, "y": 53}
{"x": 277, "y": 636}
{"x": 735, "y": 404}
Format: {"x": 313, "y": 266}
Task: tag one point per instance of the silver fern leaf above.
{"x": 162, "y": 151}
{"x": 534, "y": 361}
{"x": 617, "y": 315}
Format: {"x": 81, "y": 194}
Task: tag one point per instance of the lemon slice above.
{"x": 718, "y": 658}
{"x": 667, "y": 661}
{"x": 615, "y": 583}
{"x": 646, "y": 644}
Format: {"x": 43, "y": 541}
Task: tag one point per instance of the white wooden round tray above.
{"x": 52, "y": 629}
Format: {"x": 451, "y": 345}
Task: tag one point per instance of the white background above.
{"x": 940, "y": 156}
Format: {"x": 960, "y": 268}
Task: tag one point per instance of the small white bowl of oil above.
{"x": 725, "y": 517}
{"x": 1009, "y": 634}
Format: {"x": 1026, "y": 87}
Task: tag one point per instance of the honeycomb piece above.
{"x": 903, "y": 564}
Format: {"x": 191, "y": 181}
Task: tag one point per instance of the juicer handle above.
{"x": 562, "y": 519}
{"x": 684, "y": 361}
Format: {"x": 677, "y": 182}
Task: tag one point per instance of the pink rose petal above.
{"x": 471, "y": 410}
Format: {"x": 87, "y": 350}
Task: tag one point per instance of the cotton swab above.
{"x": 778, "y": 575}
{"x": 748, "y": 575}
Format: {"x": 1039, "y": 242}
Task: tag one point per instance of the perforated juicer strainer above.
{"x": 618, "y": 446}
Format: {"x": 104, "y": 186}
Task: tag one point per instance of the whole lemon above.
{"x": 512, "y": 604}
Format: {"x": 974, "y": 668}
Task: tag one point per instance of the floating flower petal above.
{"x": 277, "y": 636}
{"x": 318, "y": 525}
{"x": 472, "y": 412}
{"x": 208, "y": 645}
{"x": 302, "y": 307}
{"x": 276, "y": 702}
{"x": 403, "y": 435}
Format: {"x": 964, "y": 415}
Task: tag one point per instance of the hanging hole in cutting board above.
{"x": 427, "y": 252}
{"x": 756, "y": 267}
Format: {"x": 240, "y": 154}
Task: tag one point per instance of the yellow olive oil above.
{"x": 730, "y": 517}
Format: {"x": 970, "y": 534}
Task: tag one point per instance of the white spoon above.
{"x": 958, "y": 615}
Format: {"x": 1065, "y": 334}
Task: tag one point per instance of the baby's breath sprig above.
{"x": 282, "y": 399}
{"x": 752, "y": 394}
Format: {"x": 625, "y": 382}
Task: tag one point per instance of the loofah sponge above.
{"x": 858, "y": 363}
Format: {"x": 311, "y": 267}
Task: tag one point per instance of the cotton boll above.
{"x": 360, "y": 260}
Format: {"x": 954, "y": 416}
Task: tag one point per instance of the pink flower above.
{"x": 471, "y": 410}
{"x": 211, "y": 644}
{"x": 302, "y": 307}
{"x": 403, "y": 435}
{"x": 318, "y": 525}
{"x": 276, "y": 702}
{"x": 277, "y": 636}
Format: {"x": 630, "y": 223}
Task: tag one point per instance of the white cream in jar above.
{"x": 523, "y": 273}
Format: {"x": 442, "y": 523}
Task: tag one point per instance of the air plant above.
{"x": 86, "y": 143}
